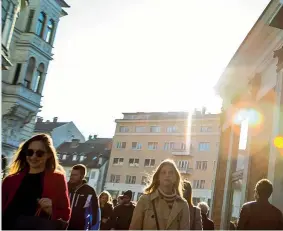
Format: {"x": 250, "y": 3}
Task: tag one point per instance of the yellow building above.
{"x": 142, "y": 140}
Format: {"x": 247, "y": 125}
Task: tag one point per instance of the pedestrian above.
{"x": 84, "y": 201}
{"x": 34, "y": 189}
{"x": 120, "y": 200}
{"x": 195, "y": 214}
{"x": 207, "y": 224}
{"x": 106, "y": 208}
{"x": 162, "y": 206}
{"x": 122, "y": 213}
{"x": 115, "y": 202}
{"x": 260, "y": 214}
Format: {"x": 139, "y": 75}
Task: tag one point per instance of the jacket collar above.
{"x": 155, "y": 194}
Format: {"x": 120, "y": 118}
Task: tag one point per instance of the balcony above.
{"x": 186, "y": 170}
{"x": 21, "y": 95}
{"x": 31, "y": 38}
{"x": 181, "y": 152}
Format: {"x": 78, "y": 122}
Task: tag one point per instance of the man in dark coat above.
{"x": 260, "y": 214}
{"x": 207, "y": 224}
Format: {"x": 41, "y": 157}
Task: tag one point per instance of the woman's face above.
{"x": 103, "y": 199}
{"x": 37, "y": 155}
{"x": 167, "y": 176}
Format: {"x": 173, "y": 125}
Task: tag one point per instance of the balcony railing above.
{"x": 181, "y": 152}
{"x": 186, "y": 170}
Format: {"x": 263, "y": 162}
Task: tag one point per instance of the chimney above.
{"x": 47, "y": 121}
{"x": 90, "y": 137}
{"x": 203, "y": 111}
{"x": 39, "y": 119}
{"x": 55, "y": 119}
{"x": 94, "y": 137}
{"x": 75, "y": 143}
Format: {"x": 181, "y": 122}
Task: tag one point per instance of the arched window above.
{"x": 39, "y": 75}
{"x": 29, "y": 73}
{"x": 50, "y": 31}
{"x": 40, "y": 24}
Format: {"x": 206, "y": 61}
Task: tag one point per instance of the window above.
{"x": 17, "y": 73}
{"x": 6, "y": 6}
{"x": 169, "y": 146}
{"x": 74, "y": 157}
{"x": 136, "y": 145}
{"x": 203, "y": 146}
{"x": 171, "y": 129}
{"x": 118, "y": 161}
{"x": 201, "y": 165}
{"x": 130, "y": 179}
{"x": 199, "y": 184}
{"x": 38, "y": 81}
{"x": 64, "y": 157}
{"x": 140, "y": 129}
{"x": 205, "y": 129}
{"x": 123, "y": 129}
{"x": 59, "y": 156}
{"x": 144, "y": 180}
{"x": 29, "y": 73}
{"x": 182, "y": 164}
{"x": 154, "y": 129}
{"x": 92, "y": 174}
{"x": 115, "y": 178}
{"x": 50, "y": 31}
{"x": 202, "y": 182}
{"x": 134, "y": 162}
{"x": 152, "y": 145}
{"x": 40, "y": 24}
{"x": 82, "y": 158}
{"x": 149, "y": 162}
{"x": 29, "y": 22}
{"x": 121, "y": 145}
{"x": 183, "y": 146}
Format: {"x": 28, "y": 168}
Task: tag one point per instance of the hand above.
{"x": 104, "y": 220}
{"x": 46, "y": 205}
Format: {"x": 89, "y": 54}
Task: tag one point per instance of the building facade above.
{"x": 30, "y": 51}
{"x": 59, "y": 131}
{"x": 143, "y": 140}
{"x": 251, "y": 144}
{"x": 94, "y": 154}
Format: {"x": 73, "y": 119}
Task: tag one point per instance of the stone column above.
{"x": 8, "y": 27}
{"x": 14, "y": 17}
{"x": 41, "y": 82}
{"x": 23, "y": 72}
{"x": 34, "y": 78}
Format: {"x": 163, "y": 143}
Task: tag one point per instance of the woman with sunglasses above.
{"x": 34, "y": 184}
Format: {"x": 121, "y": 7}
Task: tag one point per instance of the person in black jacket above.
{"x": 207, "y": 224}
{"x": 123, "y": 213}
{"x": 106, "y": 210}
{"x": 83, "y": 199}
{"x": 260, "y": 214}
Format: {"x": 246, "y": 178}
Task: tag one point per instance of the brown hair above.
{"x": 81, "y": 168}
{"x": 19, "y": 162}
{"x": 188, "y": 194}
{"x": 154, "y": 183}
{"x": 264, "y": 188}
{"x": 106, "y": 193}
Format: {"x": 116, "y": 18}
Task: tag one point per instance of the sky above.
{"x": 115, "y": 56}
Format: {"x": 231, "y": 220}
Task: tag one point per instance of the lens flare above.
{"x": 278, "y": 142}
{"x": 254, "y": 117}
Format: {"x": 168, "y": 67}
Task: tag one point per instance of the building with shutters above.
{"x": 251, "y": 144}
{"x": 27, "y": 38}
{"x": 142, "y": 140}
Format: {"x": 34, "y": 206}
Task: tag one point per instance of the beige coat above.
{"x": 177, "y": 218}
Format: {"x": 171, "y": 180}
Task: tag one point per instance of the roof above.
{"x": 47, "y": 126}
{"x": 62, "y": 3}
{"x": 90, "y": 150}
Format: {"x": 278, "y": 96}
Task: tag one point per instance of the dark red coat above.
{"x": 54, "y": 188}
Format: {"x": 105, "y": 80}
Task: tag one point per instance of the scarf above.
{"x": 169, "y": 198}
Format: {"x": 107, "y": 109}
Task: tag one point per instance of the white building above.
{"x": 30, "y": 51}
{"x": 59, "y": 131}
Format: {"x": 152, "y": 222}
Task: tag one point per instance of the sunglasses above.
{"x": 38, "y": 153}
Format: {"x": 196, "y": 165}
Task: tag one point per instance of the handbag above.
{"x": 155, "y": 215}
{"x": 39, "y": 223}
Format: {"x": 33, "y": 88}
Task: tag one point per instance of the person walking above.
{"x": 84, "y": 201}
{"x": 260, "y": 214}
{"x": 106, "y": 208}
{"x": 122, "y": 213}
{"x": 207, "y": 224}
{"x": 162, "y": 206}
{"x": 28, "y": 192}
{"x": 195, "y": 214}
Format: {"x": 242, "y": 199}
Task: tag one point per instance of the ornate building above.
{"x": 251, "y": 145}
{"x": 29, "y": 52}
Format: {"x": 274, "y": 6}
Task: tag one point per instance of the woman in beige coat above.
{"x": 162, "y": 207}
{"x": 196, "y": 222}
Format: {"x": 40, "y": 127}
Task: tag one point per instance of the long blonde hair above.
{"x": 19, "y": 162}
{"x": 154, "y": 183}
{"x": 109, "y": 198}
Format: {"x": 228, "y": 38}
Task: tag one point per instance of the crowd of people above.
{"x": 35, "y": 195}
